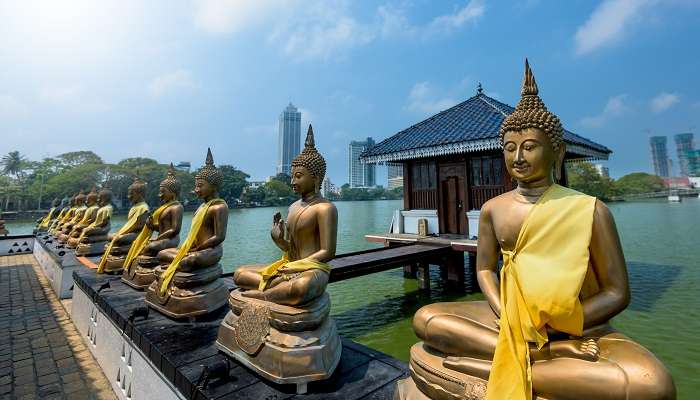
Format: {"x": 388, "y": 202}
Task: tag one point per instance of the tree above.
{"x": 586, "y": 179}
{"x": 137, "y": 162}
{"x": 75, "y": 158}
{"x": 13, "y": 163}
{"x": 234, "y": 182}
{"x": 639, "y": 182}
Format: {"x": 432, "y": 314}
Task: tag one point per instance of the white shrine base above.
{"x": 57, "y": 269}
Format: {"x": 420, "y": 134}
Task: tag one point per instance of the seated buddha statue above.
{"x": 94, "y": 237}
{"x": 115, "y": 253}
{"x": 42, "y": 224}
{"x": 167, "y": 221}
{"x": 88, "y": 218}
{"x": 543, "y": 331}
{"x": 281, "y": 311}
{"x": 188, "y": 280}
{"x": 64, "y": 216}
{"x": 80, "y": 207}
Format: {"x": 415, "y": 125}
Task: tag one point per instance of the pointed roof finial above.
{"x": 479, "y": 89}
{"x": 529, "y": 84}
{"x": 171, "y": 170}
{"x": 210, "y": 158}
{"x": 310, "y": 137}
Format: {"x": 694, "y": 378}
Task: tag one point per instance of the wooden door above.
{"x": 453, "y": 179}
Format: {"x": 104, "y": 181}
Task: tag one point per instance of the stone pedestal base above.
{"x": 190, "y": 293}
{"x": 141, "y": 274}
{"x": 114, "y": 264}
{"x": 289, "y": 357}
{"x": 90, "y": 249}
{"x": 431, "y": 380}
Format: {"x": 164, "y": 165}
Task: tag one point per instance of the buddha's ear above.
{"x": 559, "y": 161}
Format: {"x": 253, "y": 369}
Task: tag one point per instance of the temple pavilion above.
{"x": 453, "y": 163}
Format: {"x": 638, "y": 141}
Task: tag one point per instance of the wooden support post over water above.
{"x": 424, "y": 276}
{"x": 454, "y": 263}
{"x": 410, "y": 271}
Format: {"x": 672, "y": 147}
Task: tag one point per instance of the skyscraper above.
{"x": 684, "y": 145}
{"x": 659, "y": 155}
{"x": 360, "y": 174}
{"x": 289, "y": 138}
{"x": 394, "y": 176}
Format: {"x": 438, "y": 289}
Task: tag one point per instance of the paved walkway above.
{"x": 42, "y": 355}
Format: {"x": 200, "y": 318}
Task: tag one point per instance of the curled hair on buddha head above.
{"x": 170, "y": 182}
{"x": 80, "y": 198}
{"x": 138, "y": 186}
{"x": 106, "y": 190}
{"x": 93, "y": 194}
{"x": 209, "y": 172}
{"x": 310, "y": 158}
{"x": 532, "y": 113}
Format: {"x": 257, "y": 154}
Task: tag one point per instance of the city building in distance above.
{"x": 602, "y": 170}
{"x": 183, "y": 166}
{"x": 394, "y": 176}
{"x": 659, "y": 156}
{"x": 289, "y": 142}
{"x": 359, "y": 173}
{"x": 684, "y": 147}
{"x": 328, "y": 187}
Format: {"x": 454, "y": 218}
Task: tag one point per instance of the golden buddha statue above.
{"x": 80, "y": 207}
{"x": 167, "y": 221}
{"x": 88, "y": 218}
{"x": 188, "y": 281}
{"x": 279, "y": 322}
{"x": 543, "y": 331}
{"x": 64, "y": 216}
{"x": 115, "y": 253}
{"x": 94, "y": 237}
{"x": 42, "y": 225}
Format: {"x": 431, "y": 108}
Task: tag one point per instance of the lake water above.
{"x": 662, "y": 248}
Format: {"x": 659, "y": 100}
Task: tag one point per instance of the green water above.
{"x": 661, "y": 243}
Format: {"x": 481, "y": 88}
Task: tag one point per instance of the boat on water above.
{"x": 673, "y": 197}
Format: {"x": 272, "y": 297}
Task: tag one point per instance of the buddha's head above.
{"x": 56, "y": 202}
{"x": 170, "y": 187}
{"x": 80, "y": 199}
{"x": 308, "y": 167}
{"x": 66, "y": 202}
{"x": 137, "y": 190}
{"x": 532, "y": 137}
{"x": 105, "y": 195}
{"x": 208, "y": 179}
{"x": 92, "y": 197}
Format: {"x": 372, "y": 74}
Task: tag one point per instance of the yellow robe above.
{"x": 103, "y": 214}
{"x": 540, "y": 284}
{"x": 144, "y": 236}
{"x": 283, "y": 265}
{"x": 134, "y": 214}
{"x": 45, "y": 222}
{"x": 197, "y": 222}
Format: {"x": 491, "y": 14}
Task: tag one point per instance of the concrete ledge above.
{"x": 57, "y": 267}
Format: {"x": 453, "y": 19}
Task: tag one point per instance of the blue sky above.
{"x": 166, "y": 79}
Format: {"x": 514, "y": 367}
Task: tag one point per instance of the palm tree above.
{"x": 13, "y": 163}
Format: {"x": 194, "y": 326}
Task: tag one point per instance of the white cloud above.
{"x": 73, "y": 98}
{"x": 423, "y": 99}
{"x": 470, "y": 13}
{"x": 11, "y": 107}
{"x": 608, "y": 24}
{"x": 170, "y": 82}
{"x": 320, "y": 29}
{"x": 614, "y": 107}
{"x": 663, "y": 101}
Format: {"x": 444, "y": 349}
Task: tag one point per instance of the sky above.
{"x": 167, "y": 79}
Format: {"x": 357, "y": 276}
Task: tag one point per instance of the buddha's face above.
{"x": 303, "y": 181}
{"x": 165, "y": 195}
{"x": 203, "y": 189}
{"x": 105, "y": 198}
{"x": 134, "y": 195}
{"x": 79, "y": 200}
{"x": 529, "y": 155}
{"x": 92, "y": 199}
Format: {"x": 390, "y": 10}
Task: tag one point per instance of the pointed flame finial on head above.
{"x": 529, "y": 84}
{"x": 170, "y": 182}
{"x": 210, "y": 158}
{"x": 310, "y": 137}
{"x": 171, "y": 170}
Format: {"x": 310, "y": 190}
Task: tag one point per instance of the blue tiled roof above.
{"x": 473, "y": 124}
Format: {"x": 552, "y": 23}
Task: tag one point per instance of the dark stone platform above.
{"x": 179, "y": 350}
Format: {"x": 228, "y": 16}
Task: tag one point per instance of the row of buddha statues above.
{"x": 549, "y": 263}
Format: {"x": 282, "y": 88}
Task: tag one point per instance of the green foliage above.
{"x": 360, "y": 194}
{"x": 13, "y": 163}
{"x": 585, "y": 178}
{"x": 639, "y": 182}
{"x": 75, "y": 158}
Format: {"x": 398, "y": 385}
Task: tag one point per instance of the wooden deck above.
{"x": 181, "y": 349}
{"x": 458, "y": 243}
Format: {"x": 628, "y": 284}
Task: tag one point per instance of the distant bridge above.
{"x": 652, "y": 195}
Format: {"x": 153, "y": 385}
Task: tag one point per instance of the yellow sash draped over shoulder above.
{"x": 197, "y": 222}
{"x": 86, "y": 215}
{"x": 283, "y": 265}
{"x": 540, "y": 284}
{"x": 45, "y": 222}
{"x": 103, "y": 214}
{"x": 134, "y": 214}
{"x": 145, "y": 235}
